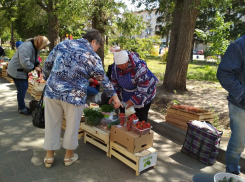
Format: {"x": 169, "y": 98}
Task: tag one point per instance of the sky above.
{"x": 130, "y": 6}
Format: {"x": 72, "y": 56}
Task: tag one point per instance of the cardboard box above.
{"x": 132, "y": 141}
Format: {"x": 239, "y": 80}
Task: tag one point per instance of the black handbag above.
{"x": 32, "y": 105}
{"x": 38, "y": 114}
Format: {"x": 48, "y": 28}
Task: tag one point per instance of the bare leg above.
{"x": 69, "y": 154}
{"x": 50, "y": 154}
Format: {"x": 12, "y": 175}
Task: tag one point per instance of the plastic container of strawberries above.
{"x": 141, "y": 132}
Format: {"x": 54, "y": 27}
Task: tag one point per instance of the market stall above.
{"x": 123, "y": 137}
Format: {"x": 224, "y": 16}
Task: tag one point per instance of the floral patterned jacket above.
{"x": 68, "y": 68}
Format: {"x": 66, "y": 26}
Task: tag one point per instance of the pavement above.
{"x": 22, "y": 153}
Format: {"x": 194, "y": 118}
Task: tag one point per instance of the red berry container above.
{"x": 122, "y": 120}
{"x": 141, "y": 132}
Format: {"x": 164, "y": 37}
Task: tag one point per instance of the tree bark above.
{"x": 184, "y": 21}
{"x": 167, "y": 37}
{"x": 99, "y": 25}
{"x": 191, "y": 53}
{"x": 53, "y": 31}
{"x": 12, "y": 37}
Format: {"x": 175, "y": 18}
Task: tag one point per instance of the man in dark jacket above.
{"x": 2, "y": 53}
{"x": 231, "y": 74}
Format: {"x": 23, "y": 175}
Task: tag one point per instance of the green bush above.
{"x": 165, "y": 57}
{"x": 9, "y": 53}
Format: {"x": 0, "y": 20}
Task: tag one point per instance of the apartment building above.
{"x": 150, "y": 19}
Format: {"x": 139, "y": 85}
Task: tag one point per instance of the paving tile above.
{"x": 7, "y": 171}
{"x": 36, "y": 175}
{"x": 53, "y": 180}
{"x": 48, "y": 173}
{"x": 65, "y": 177}
{"x": 19, "y": 168}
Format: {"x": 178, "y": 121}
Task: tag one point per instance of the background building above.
{"x": 150, "y": 19}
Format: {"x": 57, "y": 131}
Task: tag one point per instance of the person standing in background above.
{"x": 231, "y": 75}
{"x": 25, "y": 60}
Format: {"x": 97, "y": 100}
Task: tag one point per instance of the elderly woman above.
{"x": 134, "y": 81}
{"x": 25, "y": 60}
{"x": 67, "y": 70}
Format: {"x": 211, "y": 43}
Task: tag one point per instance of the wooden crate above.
{"x": 132, "y": 160}
{"x": 30, "y": 87}
{"x": 36, "y": 94}
{"x": 97, "y": 136}
{"x": 38, "y": 86}
{"x": 179, "y": 116}
{"x": 4, "y": 75}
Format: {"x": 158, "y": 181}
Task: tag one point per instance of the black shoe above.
{"x": 25, "y": 112}
{"x": 233, "y": 173}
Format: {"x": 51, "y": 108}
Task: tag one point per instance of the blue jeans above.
{"x": 237, "y": 141}
{"x": 22, "y": 86}
{"x": 92, "y": 90}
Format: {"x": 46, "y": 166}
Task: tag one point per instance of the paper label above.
{"x": 147, "y": 161}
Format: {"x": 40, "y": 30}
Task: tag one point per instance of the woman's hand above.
{"x": 91, "y": 80}
{"x": 129, "y": 104}
{"x": 38, "y": 69}
{"x": 117, "y": 102}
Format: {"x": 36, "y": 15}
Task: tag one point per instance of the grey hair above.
{"x": 93, "y": 34}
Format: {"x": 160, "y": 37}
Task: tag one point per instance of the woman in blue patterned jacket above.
{"x": 67, "y": 70}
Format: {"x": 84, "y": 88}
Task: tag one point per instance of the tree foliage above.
{"x": 142, "y": 46}
{"x": 130, "y": 24}
{"x": 217, "y": 36}
{"x": 235, "y": 14}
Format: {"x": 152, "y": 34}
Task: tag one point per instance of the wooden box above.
{"x": 137, "y": 161}
{"x": 36, "y": 94}
{"x": 180, "y": 115}
{"x": 38, "y": 86}
{"x": 30, "y": 87}
{"x": 97, "y": 136}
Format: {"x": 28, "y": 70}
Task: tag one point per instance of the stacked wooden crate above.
{"x": 180, "y": 115}
{"x": 30, "y": 86}
{"x": 37, "y": 90}
{"x": 4, "y": 75}
{"x": 133, "y": 149}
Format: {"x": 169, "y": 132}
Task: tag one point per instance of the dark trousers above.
{"x": 22, "y": 86}
{"x": 142, "y": 113}
{"x": 92, "y": 90}
{"x": 105, "y": 100}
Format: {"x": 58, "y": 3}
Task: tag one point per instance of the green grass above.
{"x": 197, "y": 70}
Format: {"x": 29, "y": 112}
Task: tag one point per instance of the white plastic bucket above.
{"x": 220, "y": 176}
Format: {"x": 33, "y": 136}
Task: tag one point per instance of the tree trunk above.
{"x": 53, "y": 30}
{"x": 191, "y": 53}
{"x": 167, "y": 38}
{"x": 95, "y": 25}
{"x": 12, "y": 37}
{"x": 106, "y": 40}
{"x": 184, "y": 21}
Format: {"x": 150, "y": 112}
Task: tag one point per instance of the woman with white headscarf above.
{"x": 134, "y": 82}
{"x": 24, "y": 61}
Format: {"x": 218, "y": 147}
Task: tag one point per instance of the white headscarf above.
{"x": 120, "y": 57}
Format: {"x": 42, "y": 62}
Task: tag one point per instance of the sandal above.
{"x": 71, "y": 160}
{"x": 48, "y": 165}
